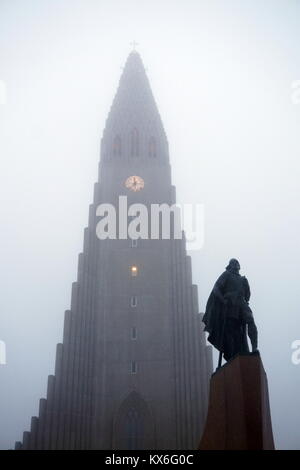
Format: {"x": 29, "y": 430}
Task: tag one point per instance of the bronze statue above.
{"x": 228, "y": 316}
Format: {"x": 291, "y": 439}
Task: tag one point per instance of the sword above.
{"x": 222, "y": 338}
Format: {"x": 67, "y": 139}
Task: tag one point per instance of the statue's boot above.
{"x": 252, "y": 333}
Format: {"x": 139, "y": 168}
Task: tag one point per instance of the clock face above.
{"x": 135, "y": 183}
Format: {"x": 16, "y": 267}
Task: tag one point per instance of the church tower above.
{"x": 133, "y": 369}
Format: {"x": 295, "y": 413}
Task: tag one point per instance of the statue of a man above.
{"x": 228, "y": 317}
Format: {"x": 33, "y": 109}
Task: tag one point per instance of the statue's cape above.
{"x": 214, "y": 321}
{"x": 215, "y": 314}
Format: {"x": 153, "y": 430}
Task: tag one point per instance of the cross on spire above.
{"x": 134, "y": 44}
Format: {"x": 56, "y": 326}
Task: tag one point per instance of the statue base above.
{"x": 239, "y": 415}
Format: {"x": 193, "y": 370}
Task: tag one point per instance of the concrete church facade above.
{"x": 133, "y": 369}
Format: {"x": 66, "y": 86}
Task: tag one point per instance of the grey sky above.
{"x": 222, "y": 74}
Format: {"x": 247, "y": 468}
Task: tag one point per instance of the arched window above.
{"x": 134, "y": 429}
{"x": 134, "y": 143}
{"x": 117, "y": 148}
{"x": 152, "y": 148}
{"x": 134, "y": 426}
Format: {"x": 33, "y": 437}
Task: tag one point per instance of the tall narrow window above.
{"x": 117, "y": 148}
{"x": 134, "y": 243}
{"x": 152, "y": 148}
{"x": 133, "y": 301}
{"x": 134, "y": 270}
{"x": 133, "y": 367}
{"x": 133, "y": 333}
{"x": 134, "y": 143}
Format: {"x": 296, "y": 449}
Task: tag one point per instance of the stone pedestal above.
{"x": 239, "y": 413}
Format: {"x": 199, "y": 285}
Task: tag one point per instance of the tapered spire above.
{"x": 134, "y": 113}
{"x": 133, "y": 370}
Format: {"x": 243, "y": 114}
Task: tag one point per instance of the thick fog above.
{"x": 224, "y": 75}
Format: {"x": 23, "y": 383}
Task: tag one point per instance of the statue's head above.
{"x": 233, "y": 266}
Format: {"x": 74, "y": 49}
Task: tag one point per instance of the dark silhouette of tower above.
{"x": 133, "y": 369}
